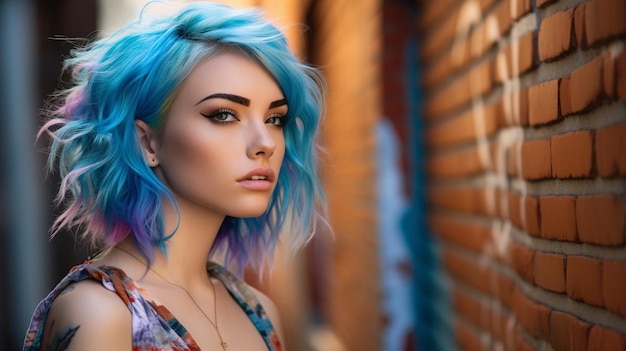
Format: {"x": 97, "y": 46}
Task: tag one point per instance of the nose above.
{"x": 261, "y": 143}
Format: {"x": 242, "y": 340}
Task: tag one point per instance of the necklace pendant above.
{"x": 224, "y": 346}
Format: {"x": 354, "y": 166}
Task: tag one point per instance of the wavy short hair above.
{"x": 108, "y": 188}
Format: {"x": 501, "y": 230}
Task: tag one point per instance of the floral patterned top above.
{"x": 154, "y": 327}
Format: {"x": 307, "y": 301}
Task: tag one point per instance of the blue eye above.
{"x": 277, "y": 120}
{"x": 222, "y": 115}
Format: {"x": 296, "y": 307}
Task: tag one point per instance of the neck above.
{"x": 188, "y": 249}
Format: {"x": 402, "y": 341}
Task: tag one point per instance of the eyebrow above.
{"x": 234, "y": 98}
{"x": 240, "y": 100}
{"x": 277, "y": 103}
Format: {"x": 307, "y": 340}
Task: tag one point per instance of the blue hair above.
{"x": 110, "y": 191}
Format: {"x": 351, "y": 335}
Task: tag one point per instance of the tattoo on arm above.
{"x": 62, "y": 339}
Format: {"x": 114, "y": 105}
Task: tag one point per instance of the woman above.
{"x": 182, "y": 139}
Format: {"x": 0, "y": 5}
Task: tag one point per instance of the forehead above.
{"x": 232, "y": 73}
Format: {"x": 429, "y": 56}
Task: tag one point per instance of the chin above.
{"x": 248, "y": 215}
{"x": 249, "y": 212}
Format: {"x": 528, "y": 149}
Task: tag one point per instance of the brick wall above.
{"x": 345, "y": 44}
{"x": 525, "y": 115}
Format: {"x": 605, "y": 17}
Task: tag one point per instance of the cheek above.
{"x": 188, "y": 148}
{"x": 279, "y": 151}
{"x": 179, "y": 146}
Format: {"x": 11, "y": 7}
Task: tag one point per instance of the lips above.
{"x": 259, "y": 174}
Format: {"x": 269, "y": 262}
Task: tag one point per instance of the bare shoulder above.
{"x": 267, "y": 303}
{"x": 87, "y": 316}
{"x": 270, "y": 309}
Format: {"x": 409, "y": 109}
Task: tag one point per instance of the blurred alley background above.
{"x": 475, "y": 171}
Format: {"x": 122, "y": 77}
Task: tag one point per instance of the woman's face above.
{"x": 222, "y": 144}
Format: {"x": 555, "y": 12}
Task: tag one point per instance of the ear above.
{"x": 148, "y": 142}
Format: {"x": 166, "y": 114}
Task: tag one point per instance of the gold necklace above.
{"x": 223, "y": 344}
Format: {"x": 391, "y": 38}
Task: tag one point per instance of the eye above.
{"x": 277, "y": 120}
{"x": 222, "y": 115}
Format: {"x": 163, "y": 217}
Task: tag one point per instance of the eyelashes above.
{"x": 228, "y": 116}
{"x": 277, "y": 120}
{"x": 222, "y": 115}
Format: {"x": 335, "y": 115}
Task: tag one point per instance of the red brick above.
{"x": 565, "y": 99}
{"x": 480, "y": 277}
{"x": 502, "y": 198}
{"x": 485, "y": 4}
{"x": 515, "y": 213}
{"x": 511, "y": 160}
{"x": 586, "y": 87}
{"x": 498, "y": 111}
{"x": 496, "y": 163}
{"x": 515, "y": 106}
{"x": 481, "y": 79}
{"x": 534, "y": 317}
{"x": 484, "y": 201}
{"x": 499, "y": 325}
{"x": 613, "y": 287}
{"x": 462, "y": 199}
{"x": 533, "y": 224}
{"x": 611, "y": 150}
{"x": 449, "y": 98}
{"x": 555, "y": 35}
{"x": 600, "y": 219}
{"x": 466, "y": 305}
{"x": 523, "y": 107}
{"x": 604, "y": 20}
{"x": 434, "y": 10}
{"x": 506, "y": 289}
{"x": 466, "y": 270}
{"x": 584, "y": 279}
{"x": 572, "y": 155}
{"x": 604, "y": 339}
{"x": 501, "y": 73}
{"x": 485, "y": 321}
{"x": 435, "y": 74}
{"x": 440, "y": 38}
{"x": 608, "y": 78}
{"x": 550, "y": 271}
{"x": 523, "y": 258}
{"x": 568, "y": 333}
{"x": 456, "y": 163}
{"x": 461, "y": 56}
{"x": 543, "y": 103}
{"x": 462, "y": 128}
{"x": 558, "y": 217}
{"x": 503, "y": 15}
{"x": 620, "y": 72}
{"x": 536, "y": 159}
{"x": 526, "y": 52}
{"x": 579, "y": 332}
{"x": 544, "y": 3}
{"x": 523, "y": 7}
{"x": 469, "y": 235}
{"x": 579, "y": 25}
{"x": 520, "y": 343}
{"x": 466, "y": 337}
{"x": 477, "y": 41}
{"x": 559, "y": 331}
